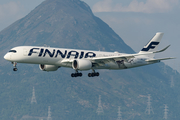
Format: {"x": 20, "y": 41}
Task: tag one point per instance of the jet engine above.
{"x": 48, "y": 67}
{"x": 81, "y": 64}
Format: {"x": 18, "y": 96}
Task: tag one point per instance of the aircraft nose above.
{"x": 6, "y": 57}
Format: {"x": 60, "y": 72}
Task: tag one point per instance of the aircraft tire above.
{"x": 93, "y": 74}
{"x": 75, "y": 75}
{"x": 89, "y": 75}
{"x": 97, "y": 74}
{"x": 15, "y": 69}
{"x": 79, "y": 74}
{"x": 72, "y": 75}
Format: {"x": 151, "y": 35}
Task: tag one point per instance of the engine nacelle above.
{"x": 48, "y": 67}
{"x": 82, "y": 64}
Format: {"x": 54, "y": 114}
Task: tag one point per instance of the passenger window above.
{"x": 14, "y": 51}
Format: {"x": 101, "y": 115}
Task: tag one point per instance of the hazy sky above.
{"x": 135, "y": 21}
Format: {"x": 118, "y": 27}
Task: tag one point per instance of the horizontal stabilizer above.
{"x": 162, "y": 49}
{"x": 158, "y": 60}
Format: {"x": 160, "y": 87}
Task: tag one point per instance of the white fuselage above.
{"x": 55, "y": 56}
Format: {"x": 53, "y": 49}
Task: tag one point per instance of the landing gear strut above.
{"x": 93, "y": 74}
{"x": 77, "y": 74}
{"x": 14, "y": 64}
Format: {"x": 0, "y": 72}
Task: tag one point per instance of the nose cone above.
{"x": 7, "y": 57}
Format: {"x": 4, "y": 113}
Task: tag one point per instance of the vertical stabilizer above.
{"x": 153, "y": 44}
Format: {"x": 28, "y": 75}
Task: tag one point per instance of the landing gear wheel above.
{"x": 15, "y": 69}
{"x": 75, "y": 75}
{"x": 92, "y": 74}
{"x": 97, "y": 74}
{"x": 89, "y": 75}
{"x": 72, "y": 75}
{"x": 79, "y": 74}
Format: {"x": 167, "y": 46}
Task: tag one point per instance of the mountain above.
{"x": 71, "y": 24}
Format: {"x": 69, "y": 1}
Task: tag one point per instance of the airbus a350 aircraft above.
{"x": 50, "y": 59}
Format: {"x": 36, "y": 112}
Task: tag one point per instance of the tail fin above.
{"x": 153, "y": 44}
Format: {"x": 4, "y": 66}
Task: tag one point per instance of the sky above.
{"x": 135, "y": 21}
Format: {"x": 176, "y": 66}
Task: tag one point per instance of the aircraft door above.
{"x": 25, "y": 52}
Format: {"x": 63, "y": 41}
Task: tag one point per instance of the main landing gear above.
{"x": 14, "y": 64}
{"x": 93, "y": 74}
{"x": 77, "y": 74}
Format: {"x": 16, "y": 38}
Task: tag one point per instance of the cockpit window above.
{"x": 14, "y": 51}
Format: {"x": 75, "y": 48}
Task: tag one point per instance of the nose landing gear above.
{"x": 14, "y": 64}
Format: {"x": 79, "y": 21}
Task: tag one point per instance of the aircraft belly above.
{"x": 37, "y": 60}
{"x": 65, "y": 64}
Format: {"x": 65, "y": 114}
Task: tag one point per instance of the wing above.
{"x": 125, "y": 57}
{"x": 100, "y": 61}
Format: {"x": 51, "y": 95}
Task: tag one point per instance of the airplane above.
{"x": 50, "y": 59}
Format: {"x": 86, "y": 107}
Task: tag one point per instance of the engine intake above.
{"x": 81, "y": 64}
{"x": 48, "y": 67}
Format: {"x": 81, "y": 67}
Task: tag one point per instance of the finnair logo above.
{"x": 152, "y": 45}
{"x": 64, "y": 54}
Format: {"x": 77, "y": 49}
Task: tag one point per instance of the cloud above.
{"x": 9, "y": 9}
{"x": 150, "y": 6}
